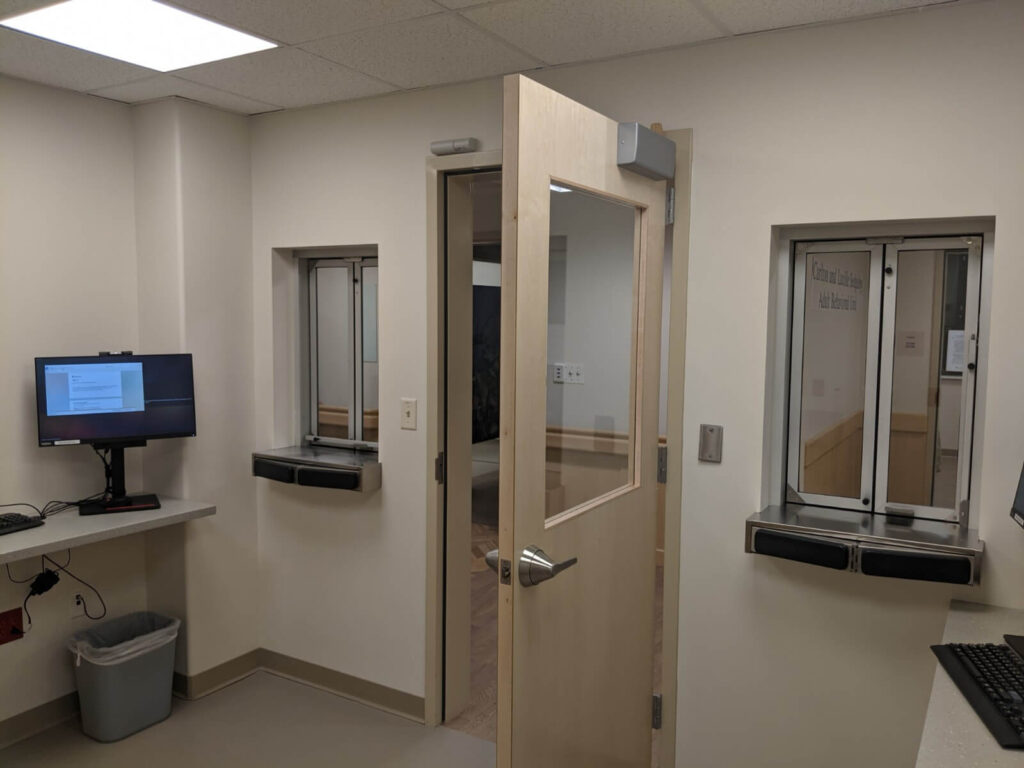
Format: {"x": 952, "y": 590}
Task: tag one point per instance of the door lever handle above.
{"x": 491, "y": 558}
{"x": 535, "y": 566}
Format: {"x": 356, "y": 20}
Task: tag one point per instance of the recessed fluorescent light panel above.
{"x": 142, "y": 32}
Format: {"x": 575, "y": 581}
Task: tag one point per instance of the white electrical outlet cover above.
{"x": 408, "y": 413}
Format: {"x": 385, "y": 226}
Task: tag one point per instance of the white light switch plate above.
{"x": 408, "y": 413}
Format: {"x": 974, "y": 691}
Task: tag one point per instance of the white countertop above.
{"x": 954, "y": 736}
{"x": 69, "y": 529}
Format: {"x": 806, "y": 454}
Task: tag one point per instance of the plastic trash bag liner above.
{"x": 122, "y": 639}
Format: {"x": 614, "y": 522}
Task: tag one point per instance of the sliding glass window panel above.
{"x": 371, "y": 407}
{"x": 832, "y": 386}
{"x": 926, "y": 387}
{"x": 591, "y": 347}
{"x": 332, "y": 347}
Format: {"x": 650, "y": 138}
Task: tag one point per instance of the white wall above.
{"x": 590, "y": 312}
{"x": 334, "y": 355}
{"x": 67, "y": 286}
{"x": 845, "y": 123}
{"x": 343, "y": 573}
{"x": 912, "y": 116}
{"x": 950, "y": 388}
{"x": 194, "y": 275}
{"x": 912, "y": 354}
{"x": 860, "y": 121}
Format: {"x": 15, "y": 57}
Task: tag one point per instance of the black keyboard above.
{"x": 15, "y": 521}
{"x": 991, "y": 678}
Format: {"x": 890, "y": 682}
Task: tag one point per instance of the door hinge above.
{"x": 670, "y": 206}
{"x": 656, "y": 712}
{"x": 663, "y": 464}
{"x": 439, "y": 468}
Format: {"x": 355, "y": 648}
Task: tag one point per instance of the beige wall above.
{"x": 67, "y": 286}
{"x": 194, "y": 246}
{"x": 342, "y": 573}
{"x": 853, "y": 122}
{"x": 905, "y": 117}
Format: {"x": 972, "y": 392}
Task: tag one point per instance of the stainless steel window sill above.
{"x": 340, "y": 468}
{"x": 872, "y": 544}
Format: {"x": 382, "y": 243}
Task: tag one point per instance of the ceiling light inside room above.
{"x": 141, "y": 32}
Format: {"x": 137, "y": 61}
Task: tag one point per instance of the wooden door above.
{"x": 579, "y": 403}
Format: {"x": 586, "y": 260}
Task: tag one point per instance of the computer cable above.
{"x": 14, "y": 580}
{"x": 25, "y": 504}
{"x": 57, "y": 505}
{"x": 80, "y": 581}
{"x": 107, "y": 470}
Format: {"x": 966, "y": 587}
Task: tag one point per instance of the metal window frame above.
{"x": 960, "y": 511}
{"x": 355, "y": 266}
{"x": 798, "y": 298}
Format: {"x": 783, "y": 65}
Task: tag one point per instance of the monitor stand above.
{"x": 117, "y": 500}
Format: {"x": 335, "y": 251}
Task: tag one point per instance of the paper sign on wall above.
{"x": 910, "y": 343}
{"x": 954, "y": 351}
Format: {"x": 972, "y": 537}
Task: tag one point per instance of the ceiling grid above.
{"x": 336, "y": 50}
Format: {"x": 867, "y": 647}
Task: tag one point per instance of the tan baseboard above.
{"x": 397, "y": 702}
{"x": 375, "y": 695}
{"x": 32, "y": 721}
{"x": 215, "y": 678}
{"x": 372, "y": 694}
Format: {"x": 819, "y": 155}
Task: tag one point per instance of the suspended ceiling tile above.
{"x": 162, "y": 86}
{"x": 428, "y": 51}
{"x": 285, "y": 76}
{"x": 578, "y": 30}
{"x": 742, "y": 16}
{"x": 43, "y": 61}
{"x": 298, "y": 21}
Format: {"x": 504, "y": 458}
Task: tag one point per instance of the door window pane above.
{"x": 834, "y": 366}
{"x": 371, "y": 409}
{"x": 343, "y": 348}
{"x": 590, "y": 347}
{"x": 926, "y": 384}
{"x": 334, "y": 352}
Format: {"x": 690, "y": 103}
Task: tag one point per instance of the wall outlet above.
{"x": 408, "y": 413}
{"x": 77, "y": 606}
{"x": 567, "y": 373}
{"x": 11, "y": 627}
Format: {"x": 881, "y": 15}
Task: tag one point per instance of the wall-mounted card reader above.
{"x": 710, "y": 443}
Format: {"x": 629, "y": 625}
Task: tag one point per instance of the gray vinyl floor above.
{"x": 260, "y": 721}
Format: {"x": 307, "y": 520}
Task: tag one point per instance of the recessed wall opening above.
{"x": 877, "y": 351}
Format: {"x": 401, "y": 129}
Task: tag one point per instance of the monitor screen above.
{"x": 114, "y": 398}
{"x": 1017, "y": 510}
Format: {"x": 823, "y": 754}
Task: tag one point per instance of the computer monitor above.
{"x": 1017, "y": 510}
{"x": 115, "y": 402}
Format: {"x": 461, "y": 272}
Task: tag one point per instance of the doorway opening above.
{"x": 471, "y": 397}
{"x": 471, "y": 448}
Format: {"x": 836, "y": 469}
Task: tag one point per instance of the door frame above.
{"x": 436, "y": 420}
{"x": 437, "y": 169}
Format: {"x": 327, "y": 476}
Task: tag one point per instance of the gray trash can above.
{"x": 124, "y": 669}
